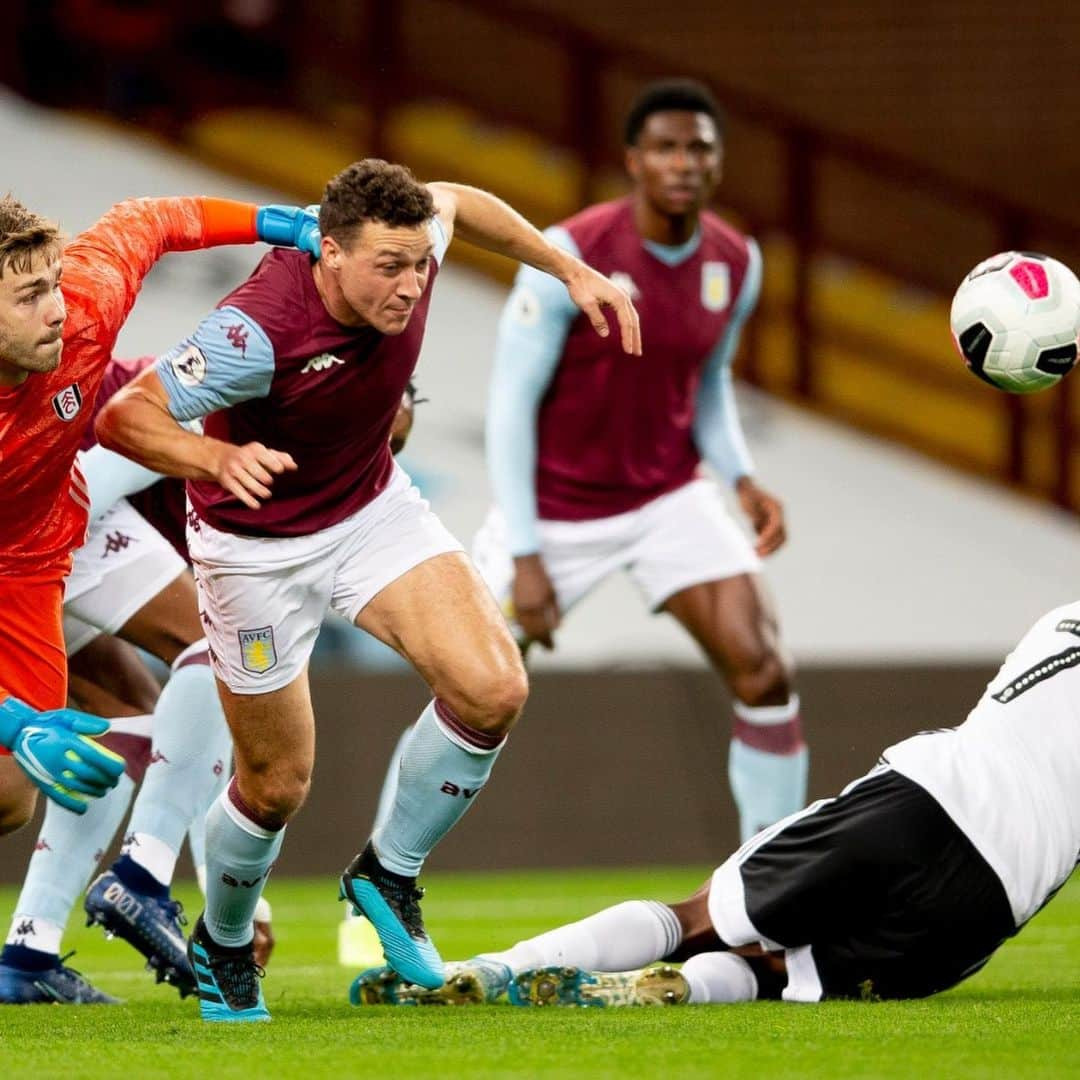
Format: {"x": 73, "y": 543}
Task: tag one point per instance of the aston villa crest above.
{"x": 258, "y": 653}
{"x": 715, "y": 285}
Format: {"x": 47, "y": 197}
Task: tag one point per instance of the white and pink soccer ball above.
{"x": 1016, "y": 321}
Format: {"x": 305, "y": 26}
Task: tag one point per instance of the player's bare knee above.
{"x": 761, "y": 678}
{"x": 495, "y": 702}
{"x": 276, "y": 796}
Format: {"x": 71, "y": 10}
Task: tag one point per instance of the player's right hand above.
{"x": 535, "y": 605}
{"x": 56, "y": 749}
{"x": 248, "y": 471}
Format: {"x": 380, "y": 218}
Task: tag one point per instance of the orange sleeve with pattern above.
{"x": 104, "y": 267}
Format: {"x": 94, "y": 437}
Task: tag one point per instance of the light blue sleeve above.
{"x": 111, "y": 477}
{"x": 227, "y": 360}
{"x": 717, "y": 431}
{"x": 532, "y": 332}
{"x": 439, "y": 239}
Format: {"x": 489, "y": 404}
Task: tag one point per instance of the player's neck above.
{"x": 11, "y": 376}
{"x": 671, "y": 230}
{"x": 333, "y": 299}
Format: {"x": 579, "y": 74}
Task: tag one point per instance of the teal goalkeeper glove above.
{"x": 56, "y": 752}
{"x": 290, "y": 226}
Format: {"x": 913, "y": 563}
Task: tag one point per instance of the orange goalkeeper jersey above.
{"x": 43, "y": 500}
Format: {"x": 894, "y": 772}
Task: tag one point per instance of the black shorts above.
{"x": 892, "y": 898}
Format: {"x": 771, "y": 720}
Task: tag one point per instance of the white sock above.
{"x": 719, "y": 978}
{"x": 152, "y": 854}
{"x": 239, "y": 855}
{"x": 620, "y": 938}
{"x": 444, "y": 764}
{"x": 68, "y": 850}
{"x": 191, "y": 751}
{"x": 768, "y": 764}
{"x": 34, "y": 932}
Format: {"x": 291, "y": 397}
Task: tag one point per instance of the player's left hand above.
{"x": 592, "y": 292}
{"x": 766, "y": 514}
{"x": 290, "y": 226}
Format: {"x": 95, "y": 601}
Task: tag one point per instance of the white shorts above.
{"x": 680, "y": 539}
{"x": 264, "y": 598}
{"x": 124, "y": 564}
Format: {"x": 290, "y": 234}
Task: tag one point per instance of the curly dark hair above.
{"x": 372, "y": 190}
{"x": 670, "y": 95}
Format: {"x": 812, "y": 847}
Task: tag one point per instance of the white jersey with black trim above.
{"x": 1009, "y": 776}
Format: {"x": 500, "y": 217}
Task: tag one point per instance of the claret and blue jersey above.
{"x": 271, "y": 365}
{"x": 578, "y": 430}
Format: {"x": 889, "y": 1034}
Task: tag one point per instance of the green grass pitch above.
{"x": 1020, "y": 1017}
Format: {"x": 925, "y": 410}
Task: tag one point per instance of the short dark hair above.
{"x": 372, "y": 190}
{"x": 670, "y": 95}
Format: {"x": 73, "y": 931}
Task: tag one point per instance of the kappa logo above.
{"x": 626, "y": 283}
{"x": 238, "y": 335}
{"x": 715, "y": 285}
{"x": 116, "y": 541}
{"x": 68, "y": 402}
{"x": 258, "y": 653}
{"x": 321, "y": 363}
{"x": 25, "y": 929}
{"x": 189, "y": 366}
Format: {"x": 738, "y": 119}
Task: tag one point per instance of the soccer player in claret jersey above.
{"x": 595, "y": 458}
{"x": 60, "y": 312}
{"x": 299, "y": 374}
{"x": 902, "y": 886}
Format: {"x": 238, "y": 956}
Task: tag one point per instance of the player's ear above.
{"x": 331, "y": 253}
{"x": 632, "y": 160}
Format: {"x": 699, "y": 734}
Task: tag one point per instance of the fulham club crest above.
{"x": 715, "y": 285}
{"x": 68, "y": 402}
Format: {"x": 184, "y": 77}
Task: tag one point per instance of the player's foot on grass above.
{"x": 392, "y": 904}
{"x": 56, "y": 985}
{"x": 228, "y": 980}
{"x": 150, "y": 924}
{"x": 467, "y": 982}
{"x": 575, "y": 986}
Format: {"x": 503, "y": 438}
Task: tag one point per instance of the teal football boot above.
{"x": 390, "y": 903}
{"x": 227, "y": 980}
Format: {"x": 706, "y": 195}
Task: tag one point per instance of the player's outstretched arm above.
{"x": 104, "y": 267}
{"x": 486, "y": 221}
{"x": 59, "y": 753}
{"x": 137, "y": 423}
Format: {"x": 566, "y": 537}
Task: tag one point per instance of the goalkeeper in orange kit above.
{"x": 61, "y": 309}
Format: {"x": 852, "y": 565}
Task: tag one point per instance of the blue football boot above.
{"x": 150, "y": 924}
{"x": 56, "y": 985}
{"x": 391, "y": 903}
{"x": 228, "y": 980}
{"x": 574, "y": 986}
{"x": 468, "y": 982}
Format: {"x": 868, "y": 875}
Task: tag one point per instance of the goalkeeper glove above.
{"x": 55, "y": 751}
{"x": 290, "y": 226}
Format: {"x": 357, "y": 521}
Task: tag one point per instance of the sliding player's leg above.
{"x": 107, "y": 678}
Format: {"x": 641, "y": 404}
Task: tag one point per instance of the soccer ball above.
{"x": 1016, "y": 321}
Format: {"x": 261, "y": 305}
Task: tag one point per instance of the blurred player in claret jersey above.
{"x": 61, "y": 309}
{"x": 595, "y": 457}
{"x": 299, "y": 375}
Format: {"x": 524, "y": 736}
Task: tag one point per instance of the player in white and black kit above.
{"x": 902, "y": 886}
